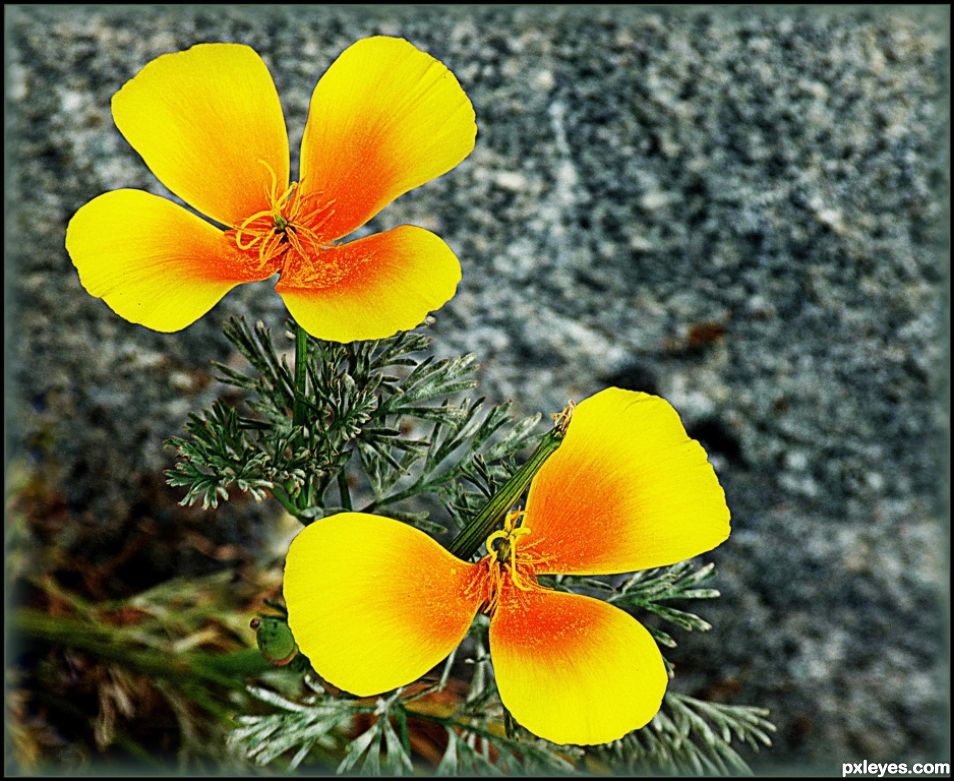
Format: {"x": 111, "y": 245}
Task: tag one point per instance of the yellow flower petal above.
{"x": 202, "y": 119}
{"x": 374, "y": 603}
{"x": 385, "y": 118}
{"x": 151, "y": 261}
{"x": 573, "y": 669}
{"x": 373, "y": 287}
{"x": 627, "y": 490}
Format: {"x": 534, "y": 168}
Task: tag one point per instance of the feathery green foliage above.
{"x": 381, "y": 405}
{"x": 386, "y": 423}
{"x": 692, "y": 737}
{"x": 687, "y": 737}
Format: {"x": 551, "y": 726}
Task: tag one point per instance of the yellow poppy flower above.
{"x": 384, "y": 118}
{"x": 375, "y": 603}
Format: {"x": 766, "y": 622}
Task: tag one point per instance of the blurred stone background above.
{"x": 739, "y": 209}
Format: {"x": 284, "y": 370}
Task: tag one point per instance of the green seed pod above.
{"x": 275, "y": 639}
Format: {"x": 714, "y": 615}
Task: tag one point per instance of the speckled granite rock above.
{"x": 739, "y": 210}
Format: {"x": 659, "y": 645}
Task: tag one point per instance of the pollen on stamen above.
{"x": 505, "y": 555}
{"x": 288, "y": 237}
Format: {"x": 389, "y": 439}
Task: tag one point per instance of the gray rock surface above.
{"x": 740, "y": 210}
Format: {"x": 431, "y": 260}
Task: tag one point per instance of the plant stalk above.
{"x": 301, "y": 374}
{"x": 343, "y": 489}
{"x": 472, "y": 536}
{"x": 223, "y": 669}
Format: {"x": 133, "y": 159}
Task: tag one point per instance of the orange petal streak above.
{"x": 370, "y": 288}
{"x": 385, "y": 118}
{"x": 627, "y": 490}
{"x": 374, "y": 603}
{"x": 573, "y": 669}
{"x": 151, "y": 261}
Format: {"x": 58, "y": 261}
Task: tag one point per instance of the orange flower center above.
{"x": 290, "y": 230}
{"x": 506, "y": 565}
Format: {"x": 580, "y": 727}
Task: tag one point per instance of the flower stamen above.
{"x": 284, "y": 225}
{"x": 289, "y": 236}
{"x": 506, "y": 553}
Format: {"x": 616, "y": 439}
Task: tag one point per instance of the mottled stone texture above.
{"x": 740, "y": 210}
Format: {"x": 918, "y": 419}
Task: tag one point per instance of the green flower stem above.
{"x": 463, "y": 723}
{"x": 303, "y": 499}
{"x": 472, "y": 536}
{"x": 301, "y": 373}
{"x": 282, "y": 497}
{"x": 226, "y": 669}
{"x": 343, "y": 488}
